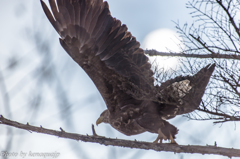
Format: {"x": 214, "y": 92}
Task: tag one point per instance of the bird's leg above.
{"x": 160, "y": 137}
{"x": 172, "y": 140}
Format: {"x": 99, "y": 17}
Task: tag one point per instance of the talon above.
{"x": 161, "y": 141}
{"x": 156, "y": 141}
{"x": 160, "y": 137}
{"x": 172, "y": 140}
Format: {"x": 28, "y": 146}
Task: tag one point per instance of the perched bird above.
{"x": 113, "y": 59}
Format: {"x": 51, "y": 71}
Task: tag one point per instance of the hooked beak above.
{"x": 99, "y": 120}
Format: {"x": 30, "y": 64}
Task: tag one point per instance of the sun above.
{"x": 163, "y": 40}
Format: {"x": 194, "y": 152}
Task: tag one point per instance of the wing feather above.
{"x": 103, "y": 47}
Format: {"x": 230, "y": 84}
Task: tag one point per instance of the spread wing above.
{"x": 185, "y": 91}
{"x": 104, "y": 48}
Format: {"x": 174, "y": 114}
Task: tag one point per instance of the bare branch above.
{"x": 213, "y": 55}
{"x": 226, "y": 117}
{"x": 229, "y": 16}
{"x": 229, "y": 152}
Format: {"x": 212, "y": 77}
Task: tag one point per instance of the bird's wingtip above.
{"x": 211, "y": 67}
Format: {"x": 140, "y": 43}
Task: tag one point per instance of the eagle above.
{"x": 113, "y": 59}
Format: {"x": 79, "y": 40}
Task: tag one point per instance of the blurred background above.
{"x": 42, "y": 85}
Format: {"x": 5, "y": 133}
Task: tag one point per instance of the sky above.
{"x": 24, "y": 20}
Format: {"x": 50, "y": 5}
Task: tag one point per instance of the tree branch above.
{"x": 231, "y": 19}
{"x": 225, "y": 118}
{"x": 214, "y": 55}
{"x": 229, "y": 152}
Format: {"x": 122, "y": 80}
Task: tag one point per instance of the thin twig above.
{"x": 226, "y": 116}
{"x": 229, "y": 16}
{"x": 93, "y": 131}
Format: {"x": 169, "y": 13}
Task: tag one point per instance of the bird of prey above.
{"x": 120, "y": 70}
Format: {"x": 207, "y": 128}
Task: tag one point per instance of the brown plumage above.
{"x": 111, "y": 57}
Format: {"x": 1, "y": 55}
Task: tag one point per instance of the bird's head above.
{"x": 104, "y": 117}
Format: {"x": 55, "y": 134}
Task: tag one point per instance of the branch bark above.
{"x": 229, "y": 152}
{"x": 202, "y": 56}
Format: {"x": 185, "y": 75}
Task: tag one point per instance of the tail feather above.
{"x": 184, "y": 93}
{"x": 199, "y": 83}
